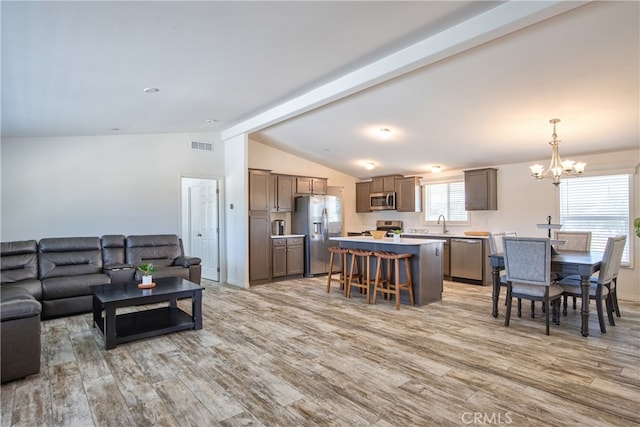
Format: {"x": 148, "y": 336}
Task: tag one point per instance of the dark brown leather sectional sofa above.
{"x": 53, "y": 278}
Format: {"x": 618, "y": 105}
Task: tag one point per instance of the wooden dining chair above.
{"x": 528, "y": 272}
{"x": 603, "y": 286}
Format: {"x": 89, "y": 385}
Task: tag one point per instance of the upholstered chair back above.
{"x": 69, "y": 256}
{"x": 495, "y": 241}
{"x": 574, "y": 241}
{"x": 611, "y": 259}
{"x": 528, "y": 260}
{"x": 113, "y": 249}
{"x": 19, "y": 261}
{"x": 158, "y": 249}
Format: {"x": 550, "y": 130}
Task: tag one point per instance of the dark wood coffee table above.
{"x": 121, "y": 328}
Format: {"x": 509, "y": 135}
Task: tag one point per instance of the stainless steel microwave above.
{"x": 382, "y": 201}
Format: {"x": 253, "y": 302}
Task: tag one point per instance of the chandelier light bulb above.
{"x": 557, "y": 167}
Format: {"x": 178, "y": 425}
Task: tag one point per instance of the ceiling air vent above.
{"x": 206, "y": 146}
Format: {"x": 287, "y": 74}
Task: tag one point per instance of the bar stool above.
{"x": 385, "y": 285}
{"x": 342, "y": 278}
{"x": 361, "y": 260}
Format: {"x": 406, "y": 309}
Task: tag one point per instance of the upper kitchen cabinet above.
{"x": 383, "y": 184}
{"x": 363, "y": 189}
{"x": 282, "y": 193}
{"x": 408, "y": 195}
{"x": 259, "y": 189}
{"x": 305, "y": 185}
{"x": 481, "y": 189}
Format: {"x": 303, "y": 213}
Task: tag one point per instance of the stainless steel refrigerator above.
{"x": 318, "y": 218}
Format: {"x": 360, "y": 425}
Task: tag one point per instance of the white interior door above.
{"x": 204, "y": 226}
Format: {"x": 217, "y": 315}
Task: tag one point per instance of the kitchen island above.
{"x": 425, "y": 264}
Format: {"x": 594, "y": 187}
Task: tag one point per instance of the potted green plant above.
{"x": 147, "y": 271}
{"x": 396, "y": 234}
{"x": 636, "y": 225}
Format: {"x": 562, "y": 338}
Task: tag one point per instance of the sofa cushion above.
{"x": 158, "y": 249}
{"x": 169, "y": 272}
{"x": 72, "y": 286}
{"x": 19, "y": 261}
{"x": 69, "y": 256}
{"x": 113, "y": 249}
{"x": 33, "y": 286}
{"x": 18, "y": 303}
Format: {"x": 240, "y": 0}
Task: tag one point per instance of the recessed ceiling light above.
{"x": 369, "y": 165}
{"x": 211, "y": 121}
{"x": 385, "y": 133}
{"x": 115, "y": 129}
{"x": 436, "y": 168}
{"x": 151, "y": 90}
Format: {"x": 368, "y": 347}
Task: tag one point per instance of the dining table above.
{"x": 564, "y": 263}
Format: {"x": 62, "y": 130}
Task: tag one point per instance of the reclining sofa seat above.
{"x": 20, "y": 331}
{"x": 19, "y": 266}
{"x": 69, "y": 266}
{"x": 165, "y": 251}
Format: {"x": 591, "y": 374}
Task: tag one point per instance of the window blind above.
{"x": 599, "y": 204}
{"x": 445, "y": 199}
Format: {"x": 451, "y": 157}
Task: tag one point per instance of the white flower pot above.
{"x": 396, "y": 237}
{"x": 146, "y": 280}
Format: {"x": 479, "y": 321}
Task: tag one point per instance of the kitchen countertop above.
{"x": 451, "y": 235}
{"x": 386, "y": 240}
{"x": 284, "y": 236}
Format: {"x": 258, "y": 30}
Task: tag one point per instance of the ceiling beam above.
{"x": 490, "y": 25}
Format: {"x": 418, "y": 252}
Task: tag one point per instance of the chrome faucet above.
{"x": 444, "y": 224}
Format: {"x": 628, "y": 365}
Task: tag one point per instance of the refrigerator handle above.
{"x": 325, "y": 225}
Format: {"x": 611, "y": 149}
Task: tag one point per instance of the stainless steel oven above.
{"x": 382, "y": 201}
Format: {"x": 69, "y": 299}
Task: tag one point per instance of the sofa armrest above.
{"x": 120, "y": 273}
{"x": 187, "y": 261}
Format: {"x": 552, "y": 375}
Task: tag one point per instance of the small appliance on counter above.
{"x": 278, "y": 227}
{"x": 388, "y": 226}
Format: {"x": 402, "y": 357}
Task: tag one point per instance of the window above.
{"x": 445, "y": 199}
{"x": 599, "y": 204}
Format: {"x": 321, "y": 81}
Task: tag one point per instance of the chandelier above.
{"x": 557, "y": 167}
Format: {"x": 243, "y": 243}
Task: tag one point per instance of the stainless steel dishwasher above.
{"x": 467, "y": 260}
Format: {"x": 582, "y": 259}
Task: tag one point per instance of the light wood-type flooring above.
{"x": 289, "y": 354}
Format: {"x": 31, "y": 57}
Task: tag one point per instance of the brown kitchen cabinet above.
{"x": 259, "y": 247}
{"x": 363, "y": 189}
{"x": 481, "y": 190}
{"x": 259, "y": 189}
{"x": 408, "y": 195}
{"x": 381, "y": 184}
{"x": 306, "y": 185}
{"x": 282, "y": 193}
{"x": 287, "y": 256}
{"x": 259, "y": 226}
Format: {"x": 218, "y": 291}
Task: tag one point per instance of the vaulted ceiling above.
{"x": 459, "y": 84}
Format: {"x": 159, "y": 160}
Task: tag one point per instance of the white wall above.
{"x": 95, "y": 185}
{"x": 237, "y": 211}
